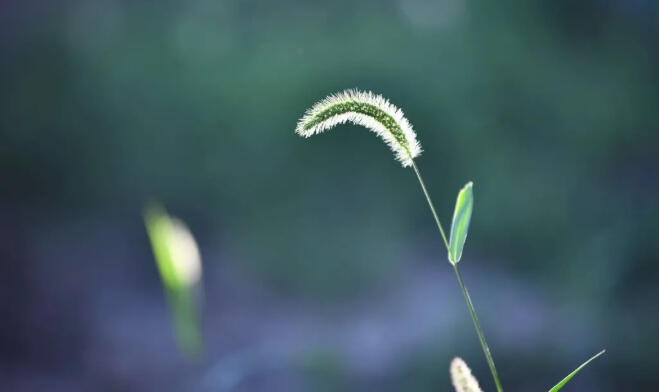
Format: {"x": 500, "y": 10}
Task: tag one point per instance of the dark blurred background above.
{"x": 323, "y": 270}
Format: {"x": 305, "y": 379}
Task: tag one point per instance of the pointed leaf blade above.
{"x": 460, "y": 225}
{"x": 564, "y": 381}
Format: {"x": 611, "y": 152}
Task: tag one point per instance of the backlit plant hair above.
{"x": 461, "y": 377}
{"x": 364, "y": 108}
{"x": 387, "y": 121}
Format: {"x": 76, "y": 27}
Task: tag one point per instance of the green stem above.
{"x": 470, "y": 305}
{"x": 432, "y": 207}
{"x": 479, "y": 330}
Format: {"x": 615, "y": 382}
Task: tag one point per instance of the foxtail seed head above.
{"x": 369, "y": 110}
{"x": 463, "y": 380}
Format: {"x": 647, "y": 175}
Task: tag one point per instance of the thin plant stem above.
{"x": 430, "y": 204}
{"x": 470, "y": 305}
{"x": 479, "y": 330}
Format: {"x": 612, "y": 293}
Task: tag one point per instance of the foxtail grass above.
{"x": 388, "y": 122}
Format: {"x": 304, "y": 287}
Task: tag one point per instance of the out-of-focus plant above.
{"x": 179, "y": 264}
{"x": 387, "y": 121}
{"x": 461, "y": 377}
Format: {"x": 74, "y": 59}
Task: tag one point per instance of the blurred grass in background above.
{"x": 550, "y": 107}
{"x": 179, "y": 263}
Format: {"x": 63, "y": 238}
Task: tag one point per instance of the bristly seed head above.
{"x": 369, "y": 110}
{"x": 463, "y": 380}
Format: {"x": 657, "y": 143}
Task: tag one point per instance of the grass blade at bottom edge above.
{"x": 564, "y": 381}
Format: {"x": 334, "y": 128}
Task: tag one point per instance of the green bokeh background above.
{"x": 550, "y": 107}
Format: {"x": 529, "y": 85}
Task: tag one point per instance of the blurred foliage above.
{"x": 108, "y": 103}
{"x": 550, "y": 107}
{"x": 179, "y": 264}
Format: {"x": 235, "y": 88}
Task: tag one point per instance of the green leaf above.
{"x": 564, "y": 381}
{"x": 460, "y": 224}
